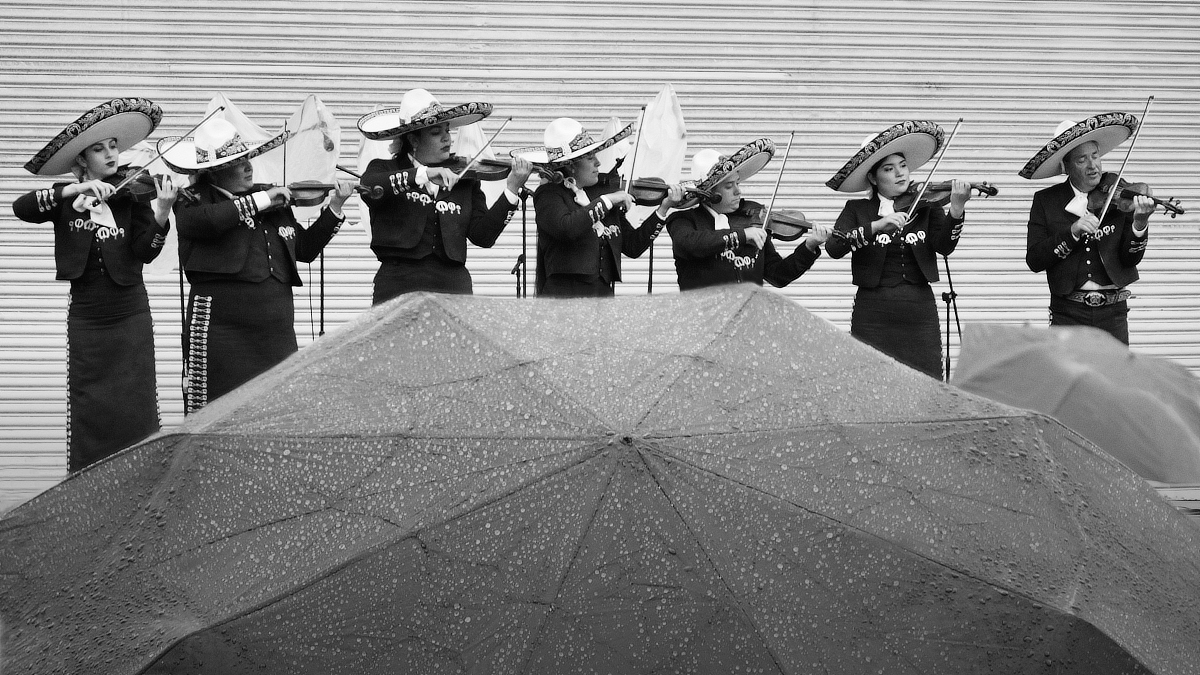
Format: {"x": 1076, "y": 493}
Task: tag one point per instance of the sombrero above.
{"x": 710, "y": 167}
{"x": 565, "y": 140}
{"x": 418, "y": 109}
{"x": 917, "y": 140}
{"x": 1107, "y": 131}
{"x": 129, "y": 120}
{"x": 215, "y": 144}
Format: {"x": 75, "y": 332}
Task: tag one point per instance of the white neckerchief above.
{"x": 581, "y": 197}
{"x": 720, "y": 220}
{"x": 422, "y": 177}
{"x": 886, "y": 206}
{"x": 97, "y": 210}
{"x": 1078, "y": 204}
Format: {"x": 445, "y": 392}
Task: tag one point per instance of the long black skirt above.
{"x": 400, "y": 275}
{"x": 112, "y": 394}
{"x": 235, "y": 331}
{"x": 902, "y": 322}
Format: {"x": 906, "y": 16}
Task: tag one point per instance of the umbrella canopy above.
{"x": 709, "y": 482}
{"x": 1145, "y": 411}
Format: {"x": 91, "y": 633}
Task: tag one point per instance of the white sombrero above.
{"x": 1107, "y": 131}
{"x": 565, "y": 140}
{"x": 214, "y": 144}
{"x": 129, "y": 120}
{"x": 917, "y": 140}
{"x": 418, "y": 109}
{"x": 710, "y": 168}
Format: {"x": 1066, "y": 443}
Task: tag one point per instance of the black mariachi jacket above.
{"x": 706, "y": 256}
{"x": 215, "y": 234}
{"x": 567, "y": 239}
{"x": 137, "y": 240}
{"x": 399, "y": 218}
{"x": 931, "y": 231}
{"x": 1049, "y": 245}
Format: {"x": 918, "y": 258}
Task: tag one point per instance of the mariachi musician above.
{"x": 581, "y": 219}
{"x": 894, "y": 256}
{"x": 421, "y": 225}
{"x": 239, "y": 243}
{"x": 1088, "y": 263}
{"x": 102, "y": 237}
{"x": 722, "y": 239}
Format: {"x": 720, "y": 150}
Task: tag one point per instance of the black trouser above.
{"x": 1112, "y": 318}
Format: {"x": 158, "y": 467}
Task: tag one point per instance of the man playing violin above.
{"x": 723, "y": 240}
{"x": 239, "y": 245}
{"x": 421, "y": 225}
{"x": 1088, "y": 262}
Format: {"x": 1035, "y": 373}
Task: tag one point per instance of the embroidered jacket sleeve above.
{"x": 487, "y": 223}
{"x": 1133, "y": 245}
{"x": 559, "y": 217}
{"x": 209, "y": 219}
{"x": 779, "y": 271}
{"x": 146, "y": 235}
{"x": 311, "y": 241}
{"x": 635, "y": 240}
{"x": 39, "y": 206}
{"x": 1046, "y": 244}
{"x": 852, "y": 231}
{"x": 690, "y": 240}
{"x": 944, "y": 230}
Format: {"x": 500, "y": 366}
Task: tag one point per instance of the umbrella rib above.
{"x": 536, "y": 634}
{"x": 712, "y": 563}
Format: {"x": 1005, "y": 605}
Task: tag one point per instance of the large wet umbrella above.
{"x": 710, "y": 482}
{"x": 1143, "y": 410}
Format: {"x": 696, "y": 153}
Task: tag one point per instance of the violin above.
{"x": 312, "y": 192}
{"x": 651, "y": 191}
{"x": 937, "y": 194}
{"x": 784, "y": 224}
{"x": 1123, "y": 199}
{"x": 493, "y": 169}
{"x": 139, "y": 186}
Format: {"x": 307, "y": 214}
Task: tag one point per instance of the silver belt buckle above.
{"x": 1093, "y": 299}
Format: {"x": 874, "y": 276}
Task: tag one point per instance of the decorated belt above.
{"x": 1099, "y": 298}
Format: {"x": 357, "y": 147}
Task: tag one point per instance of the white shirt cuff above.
{"x": 512, "y": 197}
{"x": 262, "y": 201}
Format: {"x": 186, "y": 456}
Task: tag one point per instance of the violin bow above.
{"x": 778, "y": 179}
{"x": 1128, "y": 152}
{"x": 475, "y": 158}
{"x": 921, "y": 193}
{"x": 636, "y": 140}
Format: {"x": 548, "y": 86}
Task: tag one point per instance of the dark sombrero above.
{"x": 917, "y": 140}
{"x": 214, "y": 144}
{"x": 129, "y": 120}
{"x": 1107, "y": 131}
{"x": 418, "y": 109}
{"x": 565, "y": 141}
{"x": 710, "y": 168}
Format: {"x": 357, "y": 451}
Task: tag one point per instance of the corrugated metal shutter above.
{"x": 833, "y": 71}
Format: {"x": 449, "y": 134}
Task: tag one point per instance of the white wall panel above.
{"x": 833, "y": 71}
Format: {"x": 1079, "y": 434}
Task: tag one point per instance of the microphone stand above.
{"x": 950, "y": 298}
{"x": 521, "y": 269}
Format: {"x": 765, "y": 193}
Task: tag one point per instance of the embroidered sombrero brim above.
{"x": 129, "y": 120}
{"x": 540, "y": 155}
{"x": 385, "y": 123}
{"x": 1107, "y": 131}
{"x": 917, "y": 140}
{"x": 747, "y": 161}
{"x": 181, "y": 156}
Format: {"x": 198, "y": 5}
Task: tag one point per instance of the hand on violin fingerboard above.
{"x": 818, "y": 235}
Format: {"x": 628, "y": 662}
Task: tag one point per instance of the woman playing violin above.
{"x": 894, "y": 257}
{"x": 101, "y": 240}
{"x": 239, "y": 244}
{"x": 581, "y": 220}
{"x": 421, "y": 225}
{"x": 724, "y": 240}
